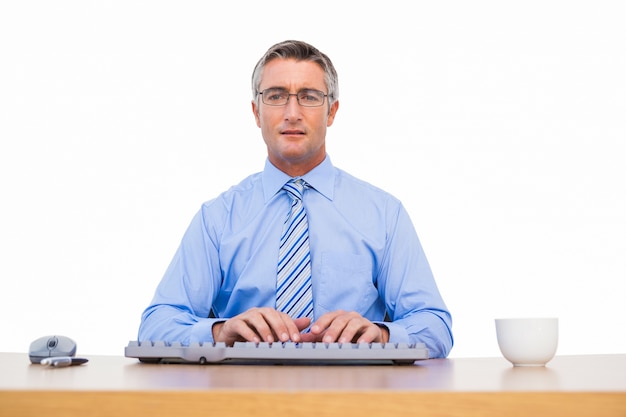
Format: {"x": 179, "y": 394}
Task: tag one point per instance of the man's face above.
{"x": 295, "y": 135}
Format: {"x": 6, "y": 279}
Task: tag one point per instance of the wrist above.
{"x": 384, "y": 333}
{"x": 216, "y": 330}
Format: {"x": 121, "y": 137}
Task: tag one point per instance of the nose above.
{"x": 293, "y": 109}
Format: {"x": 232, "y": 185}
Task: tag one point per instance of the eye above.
{"x": 310, "y": 96}
{"x": 275, "y": 94}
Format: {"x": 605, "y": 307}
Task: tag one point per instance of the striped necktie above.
{"x": 293, "y": 285}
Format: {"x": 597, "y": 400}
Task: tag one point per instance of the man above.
{"x": 357, "y": 261}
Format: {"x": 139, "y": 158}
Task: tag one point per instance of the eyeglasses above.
{"x": 279, "y": 97}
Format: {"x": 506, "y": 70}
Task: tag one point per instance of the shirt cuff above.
{"x": 397, "y": 333}
{"x": 202, "y": 331}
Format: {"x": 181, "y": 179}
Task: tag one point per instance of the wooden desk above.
{"x": 593, "y": 385}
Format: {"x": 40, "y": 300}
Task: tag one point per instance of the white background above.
{"x": 500, "y": 125}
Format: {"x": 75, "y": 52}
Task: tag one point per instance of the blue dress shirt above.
{"x": 365, "y": 254}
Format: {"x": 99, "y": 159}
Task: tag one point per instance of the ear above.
{"x": 255, "y": 111}
{"x": 331, "y": 113}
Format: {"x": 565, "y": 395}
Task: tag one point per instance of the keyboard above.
{"x": 312, "y": 353}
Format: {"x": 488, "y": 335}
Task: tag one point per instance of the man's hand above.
{"x": 345, "y": 327}
{"x": 260, "y": 325}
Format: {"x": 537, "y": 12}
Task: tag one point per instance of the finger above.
{"x": 310, "y": 337}
{"x": 250, "y": 326}
{"x": 361, "y": 330}
{"x": 372, "y": 333}
{"x": 273, "y": 325}
{"x": 285, "y": 327}
{"x": 258, "y": 323}
{"x": 237, "y": 329}
{"x": 323, "y": 322}
{"x": 336, "y": 330}
{"x": 350, "y": 327}
{"x": 302, "y": 323}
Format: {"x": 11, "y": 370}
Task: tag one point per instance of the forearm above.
{"x": 168, "y": 323}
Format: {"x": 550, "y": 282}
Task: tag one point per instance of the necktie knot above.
{"x": 295, "y": 188}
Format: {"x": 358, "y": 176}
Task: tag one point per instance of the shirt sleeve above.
{"x": 414, "y": 303}
{"x": 181, "y": 305}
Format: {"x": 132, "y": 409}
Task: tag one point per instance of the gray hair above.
{"x": 300, "y": 51}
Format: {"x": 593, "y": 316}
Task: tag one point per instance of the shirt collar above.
{"x": 321, "y": 178}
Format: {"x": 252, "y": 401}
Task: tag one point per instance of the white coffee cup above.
{"x": 528, "y": 341}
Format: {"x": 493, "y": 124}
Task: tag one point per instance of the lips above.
{"x": 292, "y": 132}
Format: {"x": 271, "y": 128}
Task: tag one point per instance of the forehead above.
{"x": 289, "y": 73}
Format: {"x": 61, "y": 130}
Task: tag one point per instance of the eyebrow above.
{"x": 286, "y": 89}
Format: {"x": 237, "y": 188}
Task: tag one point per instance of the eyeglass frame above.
{"x": 324, "y": 96}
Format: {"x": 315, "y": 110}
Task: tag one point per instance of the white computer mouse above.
{"x": 51, "y": 346}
